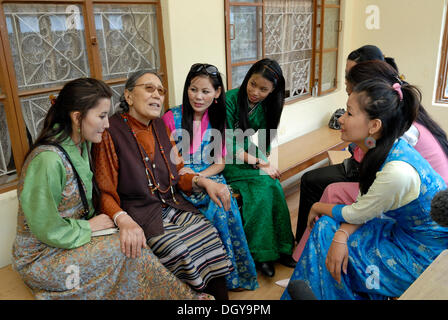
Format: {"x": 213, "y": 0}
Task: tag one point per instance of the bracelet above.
{"x": 342, "y": 242}
{"x": 344, "y": 232}
{"x": 196, "y": 180}
{"x": 117, "y": 215}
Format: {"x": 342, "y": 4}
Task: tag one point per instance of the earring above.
{"x": 370, "y": 142}
{"x": 216, "y": 101}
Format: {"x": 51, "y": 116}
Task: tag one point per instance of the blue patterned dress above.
{"x": 228, "y": 223}
{"x": 385, "y": 255}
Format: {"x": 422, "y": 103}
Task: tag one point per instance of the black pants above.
{"x": 313, "y": 184}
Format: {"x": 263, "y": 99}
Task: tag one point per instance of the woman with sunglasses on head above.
{"x": 257, "y": 105}
{"x": 197, "y": 127}
{"x": 377, "y": 247}
{"x": 55, "y": 250}
{"x": 137, "y": 168}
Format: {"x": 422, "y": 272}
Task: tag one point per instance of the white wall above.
{"x": 409, "y": 31}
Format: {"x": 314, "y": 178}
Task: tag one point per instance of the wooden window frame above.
{"x": 314, "y": 74}
{"x": 321, "y": 50}
{"x": 443, "y": 67}
{"x": 229, "y": 63}
{"x": 11, "y": 95}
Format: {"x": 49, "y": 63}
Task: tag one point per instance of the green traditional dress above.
{"x": 54, "y": 251}
{"x": 265, "y": 214}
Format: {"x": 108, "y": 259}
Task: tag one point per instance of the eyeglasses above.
{"x": 151, "y": 88}
{"x": 209, "y": 69}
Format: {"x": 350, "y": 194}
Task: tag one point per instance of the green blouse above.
{"x": 44, "y": 182}
{"x": 257, "y": 121}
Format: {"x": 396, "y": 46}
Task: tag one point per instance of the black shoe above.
{"x": 267, "y": 268}
{"x": 287, "y": 261}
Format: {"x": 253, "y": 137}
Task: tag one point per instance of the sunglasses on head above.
{"x": 151, "y": 88}
{"x": 208, "y": 68}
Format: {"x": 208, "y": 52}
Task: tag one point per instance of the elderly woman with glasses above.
{"x": 198, "y": 129}
{"x": 137, "y": 168}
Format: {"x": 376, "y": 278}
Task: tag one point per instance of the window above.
{"x": 302, "y": 35}
{"x": 442, "y": 85}
{"x": 48, "y": 44}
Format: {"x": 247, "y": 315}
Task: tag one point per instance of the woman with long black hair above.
{"x": 314, "y": 182}
{"x": 257, "y": 105}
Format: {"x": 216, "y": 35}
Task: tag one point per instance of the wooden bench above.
{"x": 432, "y": 283}
{"x": 335, "y": 157}
{"x": 302, "y": 152}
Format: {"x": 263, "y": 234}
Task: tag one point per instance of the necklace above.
{"x": 153, "y": 185}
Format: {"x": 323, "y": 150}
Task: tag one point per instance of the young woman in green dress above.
{"x": 256, "y": 106}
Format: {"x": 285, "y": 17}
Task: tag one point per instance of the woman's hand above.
{"x": 218, "y": 192}
{"x": 269, "y": 169}
{"x": 337, "y": 256}
{"x": 101, "y": 222}
{"x": 186, "y": 170}
{"x": 132, "y": 237}
{"x": 312, "y": 215}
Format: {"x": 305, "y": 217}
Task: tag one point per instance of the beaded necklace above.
{"x": 149, "y": 174}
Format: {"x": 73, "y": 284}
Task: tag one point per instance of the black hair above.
{"x": 378, "y": 69}
{"x": 80, "y": 95}
{"x": 439, "y": 208}
{"x": 274, "y": 102}
{"x": 216, "y": 111}
{"x": 130, "y": 85}
{"x": 370, "y": 52}
{"x": 381, "y": 101}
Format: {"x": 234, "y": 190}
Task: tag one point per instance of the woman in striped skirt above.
{"x": 136, "y": 168}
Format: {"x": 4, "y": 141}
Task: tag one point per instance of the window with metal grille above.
{"x": 301, "y": 35}
{"x": 50, "y": 43}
